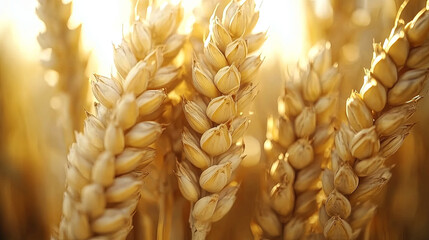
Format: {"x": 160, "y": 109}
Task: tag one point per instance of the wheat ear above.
{"x": 224, "y": 78}
{"x": 297, "y": 142}
{"x": 377, "y": 125}
{"x": 202, "y": 16}
{"x": 66, "y": 59}
{"x": 104, "y": 165}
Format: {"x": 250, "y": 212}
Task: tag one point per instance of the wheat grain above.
{"x": 67, "y": 59}
{"x": 202, "y": 14}
{"x": 223, "y": 75}
{"x": 377, "y": 125}
{"x": 104, "y": 165}
{"x": 301, "y": 134}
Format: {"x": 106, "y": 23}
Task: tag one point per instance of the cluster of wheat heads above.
{"x": 223, "y": 75}
{"x": 104, "y": 165}
{"x": 67, "y": 60}
{"x": 104, "y": 168}
{"x": 296, "y": 146}
{"x": 378, "y": 121}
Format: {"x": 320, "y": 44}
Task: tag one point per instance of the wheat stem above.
{"x": 166, "y": 198}
{"x": 169, "y": 214}
{"x": 162, "y": 211}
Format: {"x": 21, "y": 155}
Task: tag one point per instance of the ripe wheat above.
{"x": 297, "y": 144}
{"x": 224, "y": 76}
{"x": 377, "y": 125}
{"x": 66, "y": 59}
{"x": 104, "y": 165}
{"x": 202, "y": 16}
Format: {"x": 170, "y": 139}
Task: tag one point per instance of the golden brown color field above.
{"x": 214, "y": 119}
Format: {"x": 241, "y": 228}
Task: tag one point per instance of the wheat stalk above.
{"x": 66, "y": 59}
{"x": 297, "y": 144}
{"x": 165, "y": 189}
{"x": 377, "y": 125}
{"x": 104, "y": 165}
{"x": 224, "y": 78}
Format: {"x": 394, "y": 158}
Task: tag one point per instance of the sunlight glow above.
{"x": 107, "y": 24}
{"x": 51, "y": 77}
{"x": 270, "y": 127}
{"x": 188, "y": 18}
{"x": 18, "y": 18}
{"x": 285, "y": 24}
{"x": 281, "y": 106}
{"x": 252, "y": 151}
{"x": 268, "y": 145}
{"x": 103, "y": 23}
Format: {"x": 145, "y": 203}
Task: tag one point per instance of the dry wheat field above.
{"x": 214, "y": 119}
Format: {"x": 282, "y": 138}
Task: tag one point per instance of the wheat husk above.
{"x": 365, "y": 148}
{"x": 104, "y": 172}
{"x": 303, "y": 131}
{"x": 223, "y": 93}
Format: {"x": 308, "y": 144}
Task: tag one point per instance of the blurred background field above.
{"x": 33, "y": 143}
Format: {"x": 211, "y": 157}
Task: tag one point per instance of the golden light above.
{"x": 188, "y": 19}
{"x": 19, "y": 18}
{"x": 252, "y": 151}
{"x": 268, "y": 145}
{"x": 106, "y": 26}
{"x": 103, "y": 24}
{"x": 281, "y": 106}
{"x": 285, "y": 24}
{"x": 39, "y": 122}
{"x": 270, "y": 127}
